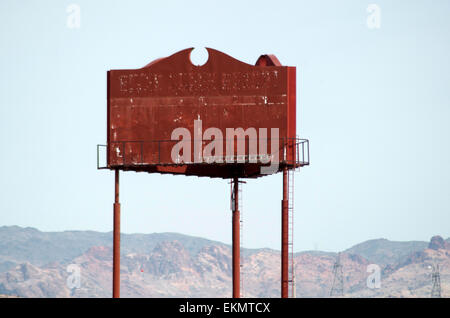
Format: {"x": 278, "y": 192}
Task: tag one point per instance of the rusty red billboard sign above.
{"x": 223, "y": 119}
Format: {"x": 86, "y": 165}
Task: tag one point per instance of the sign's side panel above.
{"x": 108, "y": 129}
{"x": 292, "y": 114}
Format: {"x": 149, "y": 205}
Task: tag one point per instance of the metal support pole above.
{"x": 116, "y": 240}
{"x": 236, "y": 241}
{"x": 285, "y": 237}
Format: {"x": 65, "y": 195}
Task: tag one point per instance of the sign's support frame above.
{"x": 116, "y": 239}
{"x": 285, "y": 237}
{"x": 236, "y": 245}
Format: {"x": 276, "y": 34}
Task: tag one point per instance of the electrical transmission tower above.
{"x": 337, "y": 290}
{"x": 436, "y": 279}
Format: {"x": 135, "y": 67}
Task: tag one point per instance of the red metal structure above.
{"x": 236, "y": 240}
{"x": 223, "y": 119}
{"x": 116, "y": 239}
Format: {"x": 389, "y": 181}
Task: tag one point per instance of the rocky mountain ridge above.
{"x": 175, "y": 265}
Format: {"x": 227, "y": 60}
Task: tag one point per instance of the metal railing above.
{"x": 294, "y": 152}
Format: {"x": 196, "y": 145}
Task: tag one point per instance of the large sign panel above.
{"x": 222, "y": 119}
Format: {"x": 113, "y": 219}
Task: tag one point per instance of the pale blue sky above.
{"x": 375, "y": 104}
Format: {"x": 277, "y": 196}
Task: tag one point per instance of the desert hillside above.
{"x": 34, "y": 264}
